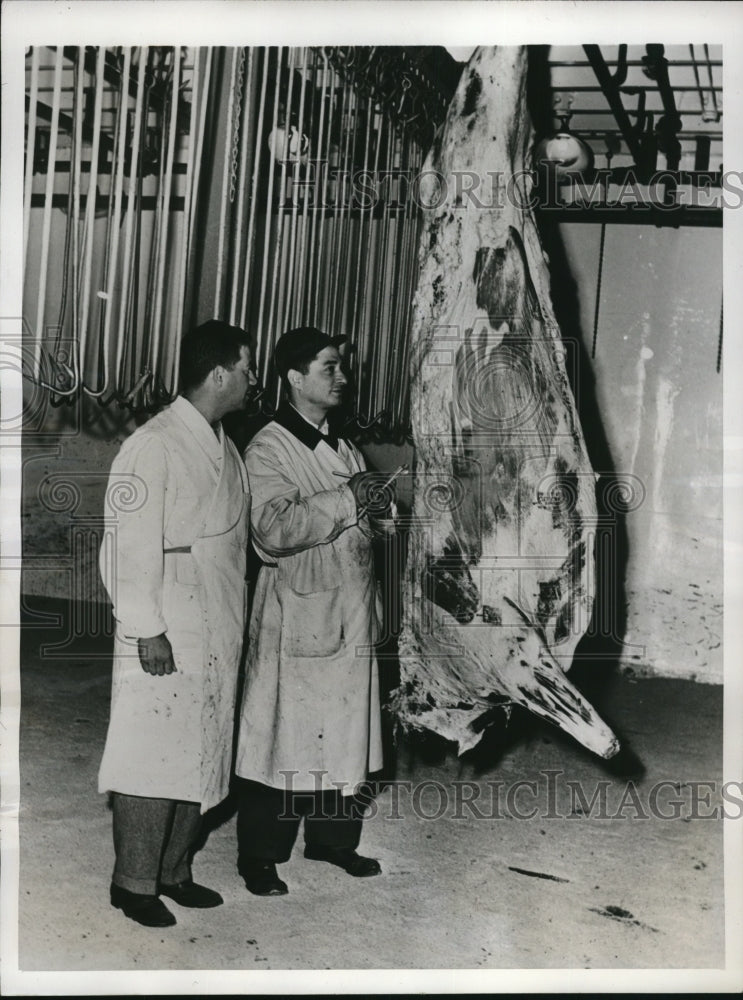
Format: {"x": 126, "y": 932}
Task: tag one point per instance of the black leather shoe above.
{"x": 261, "y": 879}
{"x": 345, "y": 858}
{"x": 146, "y": 910}
{"x": 189, "y": 893}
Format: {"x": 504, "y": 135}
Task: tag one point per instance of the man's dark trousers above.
{"x": 268, "y": 821}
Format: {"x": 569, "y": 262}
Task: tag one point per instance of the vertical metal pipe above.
{"x": 195, "y": 187}
{"x": 263, "y": 339}
{"x": 180, "y": 301}
{"x": 77, "y": 155}
{"x": 355, "y": 291}
{"x": 366, "y": 283}
{"x": 297, "y": 166}
{"x": 155, "y": 250}
{"x": 277, "y": 281}
{"x": 411, "y": 273}
{"x": 310, "y": 306}
{"x": 47, "y": 221}
{"x": 323, "y": 281}
{"x": 257, "y": 155}
{"x": 341, "y": 217}
{"x": 204, "y": 102}
{"x": 314, "y": 142}
{"x": 225, "y": 184}
{"x": 698, "y": 82}
{"x": 395, "y": 215}
{"x": 314, "y": 147}
{"x": 413, "y": 227}
{"x": 400, "y": 290}
{"x": 117, "y": 166}
{"x": 90, "y": 204}
{"x": 241, "y": 186}
{"x": 709, "y": 75}
{"x": 165, "y": 195}
{"x": 134, "y": 353}
{"x": 129, "y": 225}
{"x": 30, "y": 148}
{"x": 352, "y": 237}
{"x": 380, "y": 334}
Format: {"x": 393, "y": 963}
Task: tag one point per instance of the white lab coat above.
{"x": 310, "y": 716}
{"x": 175, "y": 485}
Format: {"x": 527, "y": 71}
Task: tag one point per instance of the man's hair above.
{"x": 298, "y": 348}
{"x": 205, "y": 347}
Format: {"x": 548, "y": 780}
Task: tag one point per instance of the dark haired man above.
{"x": 173, "y": 563}
{"x": 309, "y": 729}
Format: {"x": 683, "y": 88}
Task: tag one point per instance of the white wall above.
{"x": 659, "y": 398}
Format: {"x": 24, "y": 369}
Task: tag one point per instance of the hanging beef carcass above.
{"x": 498, "y": 588}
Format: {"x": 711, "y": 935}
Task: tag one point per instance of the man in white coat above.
{"x": 173, "y": 563}
{"x": 309, "y": 730}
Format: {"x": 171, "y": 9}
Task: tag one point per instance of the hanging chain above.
{"x": 235, "y": 154}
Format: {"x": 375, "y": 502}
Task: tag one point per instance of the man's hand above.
{"x": 156, "y": 655}
{"x": 372, "y": 493}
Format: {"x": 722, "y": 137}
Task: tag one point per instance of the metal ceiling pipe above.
{"x": 331, "y": 264}
{"x": 642, "y": 156}
{"x": 134, "y": 360}
{"x": 242, "y": 121}
{"x": 656, "y": 67}
{"x": 278, "y": 282}
{"x": 289, "y": 304}
{"x": 148, "y": 330}
{"x": 342, "y": 275}
{"x": 126, "y": 277}
{"x": 403, "y": 236}
{"x": 193, "y": 250}
{"x": 77, "y": 155}
{"x": 263, "y": 340}
{"x": 414, "y": 163}
{"x": 30, "y": 149}
{"x": 323, "y": 165}
{"x": 712, "y": 88}
{"x": 165, "y": 212}
{"x": 47, "y": 219}
{"x": 380, "y": 339}
{"x": 299, "y": 310}
{"x": 366, "y": 283}
{"x": 194, "y": 139}
{"x": 117, "y": 168}
{"x": 225, "y": 184}
{"x": 257, "y": 160}
{"x": 90, "y": 206}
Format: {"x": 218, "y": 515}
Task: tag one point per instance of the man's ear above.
{"x": 218, "y": 373}
{"x": 294, "y": 378}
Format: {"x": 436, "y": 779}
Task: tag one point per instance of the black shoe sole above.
{"x": 190, "y": 904}
{"x": 368, "y": 873}
{"x": 132, "y": 915}
{"x": 275, "y": 890}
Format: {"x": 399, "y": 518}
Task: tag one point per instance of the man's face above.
{"x": 323, "y": 384}
{"x": 238, "y": 382}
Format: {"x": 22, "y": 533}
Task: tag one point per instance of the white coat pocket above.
{"x": 312, "y": 624}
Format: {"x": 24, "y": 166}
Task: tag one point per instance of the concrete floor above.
{"x": 560, "y": 890}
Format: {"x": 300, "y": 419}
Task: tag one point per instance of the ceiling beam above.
{"x": 641, "y": 145}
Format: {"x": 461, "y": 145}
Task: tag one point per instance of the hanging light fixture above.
{"x": 563, "y": 153}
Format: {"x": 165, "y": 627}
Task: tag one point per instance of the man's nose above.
{"x": 340, "y": 376}
{"x": 252, "y": 379}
